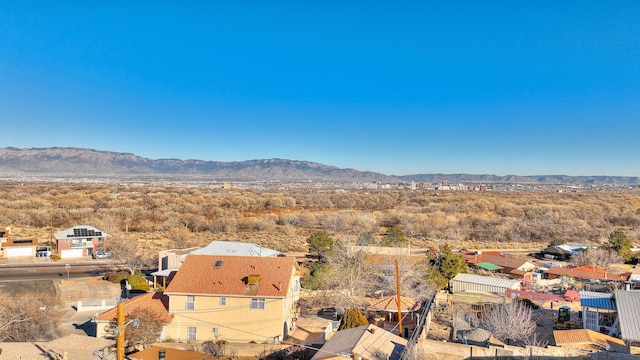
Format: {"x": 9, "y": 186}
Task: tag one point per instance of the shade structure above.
{"x": 390, "y": 304}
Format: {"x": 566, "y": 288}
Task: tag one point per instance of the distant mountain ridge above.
{"x": 79, "y": 162}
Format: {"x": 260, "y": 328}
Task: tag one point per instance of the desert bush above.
{"x": 267, "y": 217}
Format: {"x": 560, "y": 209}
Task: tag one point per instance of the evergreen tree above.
{"x": 320, "y": 242}
{"x": 451, "y": 264}
{"x": 444, "y": 266}
{"x": 619, "y": 242}
{"x": 352, "y": 318}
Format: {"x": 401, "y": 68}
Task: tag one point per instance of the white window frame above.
{"x": 214, "y": 330}
{"x": 190, "y": 304}
{"x": 223, "y": 301}
{"x": 258, "y": 304}
{"x": 192, "y": 333}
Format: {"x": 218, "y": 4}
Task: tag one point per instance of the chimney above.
{"x": 372, "y": 330}
{"x": 162, "y": 354}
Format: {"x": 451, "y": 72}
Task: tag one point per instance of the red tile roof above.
{"x": 200, "y": 275}
{"x": 592, "y": 269}
{"x": 586, "y": 274}
{"x": 156, "y": 302}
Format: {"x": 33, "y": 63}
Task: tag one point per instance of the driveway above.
{"x": 84, "y": 289}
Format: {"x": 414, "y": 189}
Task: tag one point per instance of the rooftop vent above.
{"x": 253, "y": 279}
{"x": 218, "y": 264}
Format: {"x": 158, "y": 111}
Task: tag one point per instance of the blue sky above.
{"x": 503, "y": 87}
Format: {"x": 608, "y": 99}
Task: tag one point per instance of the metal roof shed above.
{"x": 489, "y": 266}
{"x": 628, "y": 303}
{"x": 477, "y": 283}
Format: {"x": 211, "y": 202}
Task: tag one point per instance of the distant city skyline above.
{"x": 499, "y": 88}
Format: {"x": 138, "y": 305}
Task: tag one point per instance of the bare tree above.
{"x": 181, "y": 238}
{"x": 510, "y": 321}
{"x": 130, "y": 254}
{"x": 350, "y": 275}
{"x": 601, "y": 258}
{"x": 214, "y": 347}
{"x": 28, "y": 317}
{"x": 143, "y": 327}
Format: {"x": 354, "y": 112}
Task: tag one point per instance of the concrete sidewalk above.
{"x": 33, "y": 261}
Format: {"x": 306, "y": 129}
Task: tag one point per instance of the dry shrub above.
{"x": 284, "y": 219}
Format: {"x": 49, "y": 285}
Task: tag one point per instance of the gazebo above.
{"x": 383, "y": 311}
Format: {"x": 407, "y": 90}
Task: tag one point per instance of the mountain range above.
{"x": 78, "y": 162}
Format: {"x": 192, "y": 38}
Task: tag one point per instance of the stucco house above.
{"x": 13, "y": 246}
{"x": 233, "y": 298}
{"x": 363, "y": 342}
{"x": 507, "y": 263}
{"x": 173, "y": 259}
{"x": 156, "y": 303}
{"x": 80, "y": 240}
{"x": 169, "y": 261}
{"x": 585, "y": 273}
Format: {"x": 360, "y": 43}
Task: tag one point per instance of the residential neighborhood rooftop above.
{"x": 156, "y": 302}
{"x": 628, "y": 304}
{"x": 218, "y": 247}
{"x": 364, "y": 341}
{"x": 229, "y": 275}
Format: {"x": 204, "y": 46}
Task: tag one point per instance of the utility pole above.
{"x": 398, "y": 298}
{"x": 120, "y": 336}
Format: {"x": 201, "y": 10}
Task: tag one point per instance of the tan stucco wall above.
{"x": 527, "y": 267}
{"x": 235, "y": 322}
{"x": 101, "y": 329}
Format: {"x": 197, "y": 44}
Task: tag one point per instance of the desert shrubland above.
{"x": 168, "y": 216}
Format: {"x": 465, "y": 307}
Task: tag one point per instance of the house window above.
{"x": 192, "y": 332}
{"x": 214, "y": 330}
{"x": 191, "y": 303}
{"x": 223, "y": 301}
{"x": 296, "y": 286}
{"x": 257, "y": 304}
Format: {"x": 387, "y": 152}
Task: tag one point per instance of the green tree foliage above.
{"x": 444, "y": 266}
{"x": 394, "y": 237}
{"x": 320, "y": 242}
{"x": 619, "y": 242}
{"x": 451, "y": 264}
{"x": 317, "y": 279}
{"x": 352, "y": 318}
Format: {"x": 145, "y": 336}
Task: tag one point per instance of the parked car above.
{"x": 100, "y": 254}
{"x": 330, "y": 312}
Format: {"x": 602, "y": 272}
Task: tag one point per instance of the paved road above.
{"x": 31, "y": 272}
